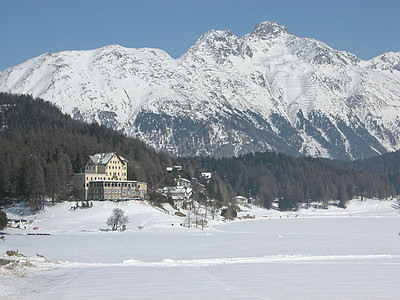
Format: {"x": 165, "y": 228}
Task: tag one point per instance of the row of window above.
{"x": 114, "y": 184}
{"x": 100, "y": 184}
{"x": 114, "y": 192}
{"x": 104, "y": 178}
{"x": 116, "y": 173}
{"x": 106, "y": 167}
{"x": 116, "y": 167}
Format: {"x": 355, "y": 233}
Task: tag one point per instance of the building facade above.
{"x": 104, "y": 177}
{"x": 116, "y": 190}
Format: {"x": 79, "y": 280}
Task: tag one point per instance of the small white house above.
{"x": 183, "y": 182}
{"x": 170, "y": 169}
{"x": 179, "y": 194}
{"x": 240, "y": 200}
{"x": 206, "y": 175}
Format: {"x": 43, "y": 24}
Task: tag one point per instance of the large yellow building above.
{"x": 104, "y": 177}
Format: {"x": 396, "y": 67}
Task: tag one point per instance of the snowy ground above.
{"x": 309, "y": 254}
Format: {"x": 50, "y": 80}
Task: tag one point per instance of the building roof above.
{"x": 119, "y": 181}
{"x": 176, "y": 189}
{"x": 104, "y": 158}
{"x": 184, "y": 180}
{"x": 240, "y": 198}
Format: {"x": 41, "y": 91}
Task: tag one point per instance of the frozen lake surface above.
{"x": 310, "y": 254}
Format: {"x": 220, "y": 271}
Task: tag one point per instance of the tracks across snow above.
{"x": 298, "y": 258}
{"x": 43, "y": 264}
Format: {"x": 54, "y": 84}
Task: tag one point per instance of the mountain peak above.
{"x": 226, "y": 96}
{"x": 269, "y": 28}
{"x": 111, "y": 47}
{"x": 215, "y": 34}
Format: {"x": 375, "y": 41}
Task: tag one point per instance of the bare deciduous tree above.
{"x": 117, "y": 219}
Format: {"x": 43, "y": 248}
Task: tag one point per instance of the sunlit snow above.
{"x": 308, "y": 254}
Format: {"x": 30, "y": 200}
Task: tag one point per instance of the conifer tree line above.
{"x": 41, "y": 148}
{"x": 269, "y": 177}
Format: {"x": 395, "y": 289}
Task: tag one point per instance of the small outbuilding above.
{"x": 240, "y": 200}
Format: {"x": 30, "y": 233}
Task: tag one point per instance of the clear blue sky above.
{"x": 32, "y": 27}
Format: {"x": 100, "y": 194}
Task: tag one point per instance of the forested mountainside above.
{"x": 382, "y": 164}
{"x": 387, "y": 165}
{"x": 40, "y": 148}
{"x": 270, "y": 176}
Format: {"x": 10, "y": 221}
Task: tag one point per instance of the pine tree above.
{"x": 3, "y": 220}
{"x": 35, "y": 186}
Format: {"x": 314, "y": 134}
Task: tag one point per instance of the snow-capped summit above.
{"x": 228, "y": 95}
{"x": 387, "y": 61}
{"x": 267, "y": 28}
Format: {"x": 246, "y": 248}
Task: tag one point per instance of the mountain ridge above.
{"x": 268, "y": 90}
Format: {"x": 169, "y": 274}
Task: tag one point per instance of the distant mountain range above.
{"x": 268, "y": 90}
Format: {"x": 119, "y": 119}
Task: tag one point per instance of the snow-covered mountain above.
{"x": 268, "y": 90}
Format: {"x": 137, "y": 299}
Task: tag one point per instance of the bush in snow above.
{"x": 117, "y": 219}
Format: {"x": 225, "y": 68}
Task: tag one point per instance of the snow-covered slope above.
{"x": 268, "y": 90}
{"x": 62, "y": 219}
{"x": 142, "y": 216}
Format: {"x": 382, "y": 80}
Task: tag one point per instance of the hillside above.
{"x": 266, "y": 91}
{"x": 41, "y": 148}
{"x": 387, "y": 165}
{"x": 269, "y": 177}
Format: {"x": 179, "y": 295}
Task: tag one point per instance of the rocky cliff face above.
{"x": 268, "y": 90}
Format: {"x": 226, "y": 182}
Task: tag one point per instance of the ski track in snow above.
{"x": 298, "y": 258}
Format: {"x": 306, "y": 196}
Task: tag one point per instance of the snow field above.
{"x": 330, "y": 254}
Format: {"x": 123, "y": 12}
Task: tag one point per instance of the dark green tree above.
{"x": 3, "y": 220}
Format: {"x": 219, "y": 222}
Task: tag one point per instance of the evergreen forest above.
{"x": 41, "y": 148}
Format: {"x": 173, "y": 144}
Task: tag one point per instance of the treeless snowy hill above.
{"x": 228, "y": 95}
